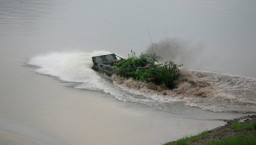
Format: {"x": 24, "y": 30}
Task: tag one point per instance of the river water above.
{"x": 36, "y": 109}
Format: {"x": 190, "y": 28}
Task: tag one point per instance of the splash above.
{"x": 70, "y": 67}
{"x": 218, "y": 92}
{"x": 205, "y": 90}
{"x": 75, "y": 67}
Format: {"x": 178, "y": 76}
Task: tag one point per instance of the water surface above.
{"x": 36, "y": 109}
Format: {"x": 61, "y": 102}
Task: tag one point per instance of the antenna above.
{"x": 150, "y": 40}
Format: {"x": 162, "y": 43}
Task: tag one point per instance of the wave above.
{"x": 219, "y": 92}
{"x": 206, "y": 90}
{"x": 76, "y": 67}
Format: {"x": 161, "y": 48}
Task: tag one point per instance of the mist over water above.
{"x": 177, "y": 51}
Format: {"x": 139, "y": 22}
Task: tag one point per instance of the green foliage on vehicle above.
{"x": 147, "y": 68}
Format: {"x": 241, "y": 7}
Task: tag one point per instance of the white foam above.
{"x": 71, "y": 67}
{"x": 76, "y": 67}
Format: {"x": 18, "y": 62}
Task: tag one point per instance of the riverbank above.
{"x": 240, "y": 131}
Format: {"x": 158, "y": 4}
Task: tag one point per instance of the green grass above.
{"x": 187, "y": 140}
{"x": 235, "y": 140}
{"x": 234, "y": 133}
{"x": 244, "y": 126}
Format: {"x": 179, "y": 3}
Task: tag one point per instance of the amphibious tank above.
{"x": 104, "y": 63}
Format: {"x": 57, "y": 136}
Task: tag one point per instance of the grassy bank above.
{"x": 236, "y": 132}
